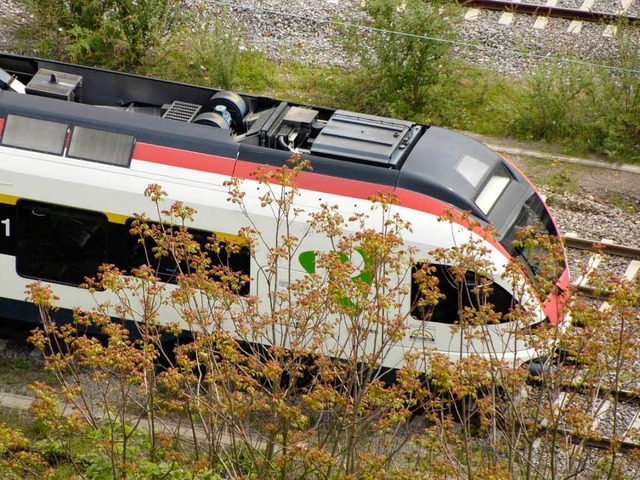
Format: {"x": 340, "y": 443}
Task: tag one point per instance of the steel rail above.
{"x": 597, "y": 441}
{"x": 602, "y": 443}
{"x": 600, "y": 246}
{"x": 551, "y": 11}
{"x": 592, "y": 292}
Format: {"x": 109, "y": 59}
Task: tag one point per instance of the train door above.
{"x": 436, "y": 325}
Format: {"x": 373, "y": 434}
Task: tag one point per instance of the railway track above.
{"x": 614, "y": 412}
{"x": 550, "y": 10}
{"x": 601, "y": 252}
{"x": 603, "y": 406}
{"x": 588, "y": 11}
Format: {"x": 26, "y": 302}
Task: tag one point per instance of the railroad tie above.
{"x": 598, "y": 414}
{"x": 630, "y": 273}
{"x": 632, "y": 270}
{"x": 576, "y": 25}
{"x": 472, "y": 14}
{"x": 541, "y": 22}
{"x": 633, "y": 429}
{"x": 612, "y": 30}
{"x": 507, "y": 17}
{"x": 594, "y": 262}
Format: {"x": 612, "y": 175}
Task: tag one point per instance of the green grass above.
{"x": 20, "y": 420}
{"x": 622, "y": 202}
{"x": 475, "y": 100}
{"x": 554, "y": 175}
{"x": 18, "y": 372}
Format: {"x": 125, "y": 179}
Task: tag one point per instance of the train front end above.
{"x": 514, "y": 225}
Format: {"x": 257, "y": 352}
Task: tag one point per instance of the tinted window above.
{"x": 446, "y": 311}
{"x": 101, "y": 146}
{"x": 165, "y": 266}
{"x": 532, "y": 216}
{"x": 59, "y": 244}
{"x": 35, "y": 134}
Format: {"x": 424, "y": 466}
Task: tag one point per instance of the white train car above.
{"x": 78, "y": 147}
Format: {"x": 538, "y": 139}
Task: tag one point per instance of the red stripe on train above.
{"x": 175, "y": 157}
{"x": 306, "y": 180}
{"x": 317, "y": 182}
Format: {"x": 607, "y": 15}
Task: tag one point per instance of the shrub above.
{"x": 112, "y": 33}
{"x": 210, "y": 50}
{"x": 259, "y": 391}
{"x": 402, "y": 56}
{"x": 586, "y": 107}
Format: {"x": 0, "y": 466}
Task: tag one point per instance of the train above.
{"x": 79, "y": 145}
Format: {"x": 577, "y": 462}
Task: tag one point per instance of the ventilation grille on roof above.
{"x": 182, "y": 111}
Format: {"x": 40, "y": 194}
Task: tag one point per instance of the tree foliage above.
{"x": 290, "y": 386}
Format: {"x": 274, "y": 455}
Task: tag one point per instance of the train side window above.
{"x": 59, "y": 244}
{"x": 141, "y": 253}
{"x": 35, "y": 134}
{"x": 446, "y": 311}
{"x": 101, "y": 146}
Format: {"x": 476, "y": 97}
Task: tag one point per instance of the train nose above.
{"x": 555, "y": 306}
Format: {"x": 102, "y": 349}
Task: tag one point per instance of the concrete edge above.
{"x": 13, "y": 400}
{"x": 620, "y": 167}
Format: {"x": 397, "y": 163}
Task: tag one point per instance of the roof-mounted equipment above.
{"x": 366, "y": 138}
{"x": 52, "y": 84}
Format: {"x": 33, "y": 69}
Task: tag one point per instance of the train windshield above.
{"x": 493, "y": 187}
{"x": 533, "y": 219}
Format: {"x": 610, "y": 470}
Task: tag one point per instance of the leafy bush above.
{"x": 111, "y": 33}
{"x": 548, "y": 108}
{"x": 399, "y": 60}
{"x": 588, "y": 108}
{"x": 210, "y": 50}
{"x": 620, "y": 106}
